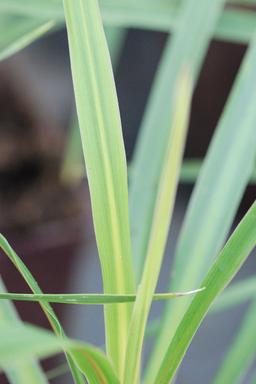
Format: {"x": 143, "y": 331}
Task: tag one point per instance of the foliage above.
{"x": 131, "y": 238}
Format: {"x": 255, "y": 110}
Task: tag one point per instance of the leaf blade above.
{"x": 202, "y": 236}
{"x": 100, "y": 128}
{"x": 145, "y": 167}
{"x": 73, "y": 167}
{"x": 91, "y": 298}
{"x": 234, "y": 25}
{"x": 227, "y": 264}
{"x": 160, "y": 224}
{"x": 16, "y": 33}
{"x": 51, "y": 316}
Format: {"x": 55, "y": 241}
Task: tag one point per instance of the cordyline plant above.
{"x": 131, "y": 238}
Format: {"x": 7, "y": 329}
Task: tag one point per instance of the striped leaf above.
{"x": 101, "y": 134}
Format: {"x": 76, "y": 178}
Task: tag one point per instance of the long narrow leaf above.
{"x": 237, "y": 25}
{"x": 46, "y": 9}
{"x": 73, "y": 168}
{"x": 183, "y": 47}
{"x": 95, "y": 366}
{"x": 91, "y": 298}
{"x": 235, "y": 294}
{"x": 217, "y": 194}
{"x": 227, "y": 264}
{"x": 28, "y": 277}
{"x": 103, "y": 147}
{"x": 234, "y": 25}
{"x": 18, "y": 32}
{"x": 160, "y": 226}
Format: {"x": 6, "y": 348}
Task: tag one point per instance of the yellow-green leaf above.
{"x": 103, "y": 147}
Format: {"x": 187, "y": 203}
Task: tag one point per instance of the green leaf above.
{"x": 18, "y": 263}
{"x": 44, "y": 9}
{"x": 217, "y": 194}
{"x": 17, "y": 32}
{"x": 185, "y": 47}
{"x": 28, "y": 371}
{"x": 227, "y": 264}
{"x": 49, "y": 312}
{"x": 90, "y": 298}
{"x": 73, "y": 167}
{"x": 24, "y": 341}
{"x": 145, "y": 14}
{"x": 165, "y": 198}
{"x": 241, "y": 353}
{"x": 237, "y": 25}
{"x": 237, "y": 293}
{"x": 95, "y": 366}
{"x": 234, "y": 25}
{"x": 101, "y": 133}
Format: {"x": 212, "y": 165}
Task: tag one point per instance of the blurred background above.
{"x": 46, "y": 216}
